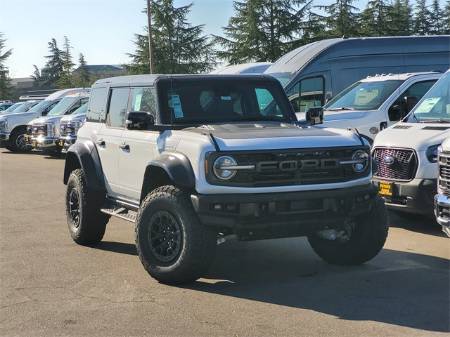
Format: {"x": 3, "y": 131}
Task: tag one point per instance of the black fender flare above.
{"x": 176, "y": 166}
{"x": 84, "y": 155}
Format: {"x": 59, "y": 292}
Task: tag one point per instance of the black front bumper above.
{"x": 270, "y": 215}
{"x": 416, "y": 196}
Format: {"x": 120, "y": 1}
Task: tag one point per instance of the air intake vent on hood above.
{"x": 402, "y": 126}
{"x": 436, "y": 128}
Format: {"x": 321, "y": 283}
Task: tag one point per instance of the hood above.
{"x": 44, "y": 120}
{"x": 69, "y": 118}
{"x": 343, "y": 115}
{"x": 26, "y": 114}
{"x": 418, "y": 136}
{"x": 275, "y": 135}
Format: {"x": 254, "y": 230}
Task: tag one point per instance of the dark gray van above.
{"x": 315, "y": 72}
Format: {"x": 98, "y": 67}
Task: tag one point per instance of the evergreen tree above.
{"x": 422, "y": 18}
{"x": 53, "y": 69}
{"x": 375, "y": 18}
{"x": 342, "y": 18}
{"x": 400, "y": 18}
{"x": 314, "y": 27}
{"x": 446, "y": 19}
{"x": 179, "y": 47}
{"x": 37, "y": 77}
{"x": 83, "y": 77}
{"x": 436, "y": 16}
{"x": 66, "y": 78}
{"x": 5, "y": 87}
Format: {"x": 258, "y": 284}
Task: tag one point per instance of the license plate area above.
{"x": 386, "y": 189}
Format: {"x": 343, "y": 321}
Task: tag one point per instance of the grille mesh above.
{"x": 444, "y": 173}
{"x": 398, "y": 164}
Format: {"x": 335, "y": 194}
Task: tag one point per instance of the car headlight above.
{"x": 223, "y": 167}
{"x": 432, "y": 153}
{"x": 360, "y": 160}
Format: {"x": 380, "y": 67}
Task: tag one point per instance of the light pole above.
{"x": 150, "y": 38}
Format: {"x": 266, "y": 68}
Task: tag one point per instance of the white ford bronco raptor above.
{"x": 193, "y": 160}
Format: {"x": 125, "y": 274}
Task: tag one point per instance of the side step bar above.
{"x": 120, "y": 209}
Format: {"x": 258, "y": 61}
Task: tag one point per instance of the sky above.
{"x": 101, "y": 29}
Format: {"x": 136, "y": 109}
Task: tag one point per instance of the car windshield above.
{"x": 435, "y": 104}
{"x": 81, "y": 110}
{"x": 219, "y": 101}
{"x": 25, "y": 106}
{"x": 62, "y": 106}
{"x": 363, "y": 95}
{"x": 41, "y": 106}
{"x": 12, "y": 108}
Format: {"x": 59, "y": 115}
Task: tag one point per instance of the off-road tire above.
{"x": 13, "y": 141}
{"x": 197, "y": 244}
{"x": 90, "y": 227}
{"x": 365, "y": 243}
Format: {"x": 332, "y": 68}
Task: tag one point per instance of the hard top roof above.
{"x": 244, "y": 68}
{"x": 139, "y": 80}
{"x": 65, "y": 92}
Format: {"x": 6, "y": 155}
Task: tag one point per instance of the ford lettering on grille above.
{"x": 294, "y": 165}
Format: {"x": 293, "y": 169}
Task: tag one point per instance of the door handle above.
{"x": 125, "y": 147}
{"x": 101, "y": 142}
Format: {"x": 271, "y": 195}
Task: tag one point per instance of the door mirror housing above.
{"x": 410, "y": 103}
{"x": 140, "y": 120}
{"x": 314, "y": 116}
{"x": 395, "y": 112}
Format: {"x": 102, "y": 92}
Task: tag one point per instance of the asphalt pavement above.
{"x": 49, "y": 286}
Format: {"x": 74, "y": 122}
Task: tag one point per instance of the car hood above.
{"x": 47, "y": 119}
{"x": 418, "y": 136}
{"x": 69, "y": 118}
{"x": 275, "y": 135}
{"x": 343, "y": 115}
{"x": 13, "y": 115}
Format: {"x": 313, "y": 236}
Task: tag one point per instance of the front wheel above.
{"x": 17, "y": 142}
{"x": 361, "y": 241}
{"x": 173, "y": 246}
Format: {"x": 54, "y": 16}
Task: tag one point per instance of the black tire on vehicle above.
{"x": 173, "y": 246}
{"x": 17, "y": 141}
{"x": 85, "y": 221}
{"x": 366, "y": 241}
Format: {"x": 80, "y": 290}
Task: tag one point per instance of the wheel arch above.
{"x": 168, "y": 169}
{"x": 84, "y": 155}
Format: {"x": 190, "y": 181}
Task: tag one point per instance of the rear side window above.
{"x": 97, "y": 105}
{"x": 143, "y": 100}
{"x": 118, "y": 104}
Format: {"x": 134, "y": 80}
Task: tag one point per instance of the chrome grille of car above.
{"x": 37, "y": 130}
{"x": 66, "y": 129}
{"x": 444, "y": 172}
{"x": 395, "y": 164}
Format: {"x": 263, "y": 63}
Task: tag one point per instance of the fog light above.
{"x": 217, "y": 207}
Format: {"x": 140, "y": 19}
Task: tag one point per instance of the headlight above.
{"x": 222, "y": 167}
{"x": 432, "y": 153}
{"x": 360, "y": 160}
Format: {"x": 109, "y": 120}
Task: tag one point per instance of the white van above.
{"x": 374, "y": 103}
{"x": 406, "y": 153}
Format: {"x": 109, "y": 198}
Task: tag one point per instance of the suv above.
{"x": 406, "y": 153}
{"x": 193, "y": 160}
{"x": 376, "y": 102}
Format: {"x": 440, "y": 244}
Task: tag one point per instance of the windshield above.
{"x": 213, "y": 101}
{"x": 435, "y": 105}
{"x": 81, "y": 110}
{"x": 62, "y": 106}
{"x": 25, "y": 106}
{"x": 12, "y": 107}
{"x": 363, "y": 95}
{"x": 41, "y": 106}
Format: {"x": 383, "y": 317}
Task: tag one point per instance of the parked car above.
{"x": 406, "y": 153}
{"x": 11, "y": 108}
{"x": 5, "y": 105}
{"x": 217, "y": 156}
{"x": 314, "y": 73}
{"x": 69, "y": 126}
{"x": 244, "y": 68}
{"x": 376, "y": 102}
{"x": 13, "y": 124}
{"x": 43, "y": 132}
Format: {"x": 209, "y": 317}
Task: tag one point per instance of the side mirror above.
{"x": 314, "y": 116}
{"x": 395, "y": 112}
{"x": 410, "y": 102}
{"x": 139, "y": 120}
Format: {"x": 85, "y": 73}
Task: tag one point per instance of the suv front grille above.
{"x": 395, "y": 164}
{"x": 66, "y": 129}
{"x": 37, "y": 130}
{"x": 444, "y": 173}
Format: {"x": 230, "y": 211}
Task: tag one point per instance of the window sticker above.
{"x": 427, "y": 105}
{"x": 225, "y": 98}
{"x": 175, "y": 104}
{"x": 137, "y": 102}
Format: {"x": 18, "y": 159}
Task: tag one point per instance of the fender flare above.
{"x": 84, "y": 155}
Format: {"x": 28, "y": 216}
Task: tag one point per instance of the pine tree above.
{"x": 53, "y": 69}
{"x": 436, "y": 16}
{"x": 66, "y": 79}
{"x": 314, "y": 27}
{"x": 37, "y": 77}
{"x": 179, "y": 47}
{"x": 5, "y": 87}
{"x": 375, "y": 18}
{"x": 83, "y": 77}
{"x": 342, "y": 18}
{"x": 446, "y": 18}
{"x": 422, "y": 19}
{"x": 400, "y": 18}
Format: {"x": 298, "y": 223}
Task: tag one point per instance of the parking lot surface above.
{"x": 49, "y": 286}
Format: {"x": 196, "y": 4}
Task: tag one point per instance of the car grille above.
{"x": 395, "y": 164}
{"x": 273, "y": 176}
{"x": 444, "y": 173}
{"x": 37, "y": 130}
{"x": 66, "y": 129}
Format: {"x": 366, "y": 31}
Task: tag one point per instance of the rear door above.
{"x": 109, "y": 138}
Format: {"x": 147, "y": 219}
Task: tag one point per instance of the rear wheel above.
{"x": 174, "y": 247}
{"x": 360, "y": 240}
